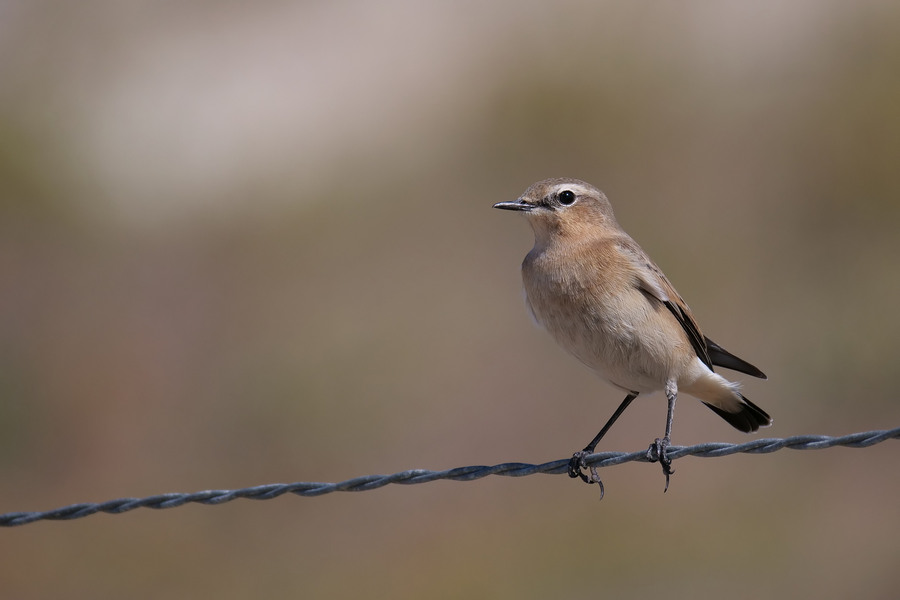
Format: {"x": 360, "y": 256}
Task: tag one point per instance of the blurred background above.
{"x": 251, "y": 243}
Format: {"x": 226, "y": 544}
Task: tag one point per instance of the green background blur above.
{"x": 244, "y": 243}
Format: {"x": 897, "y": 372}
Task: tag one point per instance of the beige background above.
{"x": 244, "y": 243}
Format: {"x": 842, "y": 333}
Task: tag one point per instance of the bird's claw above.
{"x": 577, "y": 467}
{"x": 658, "y": 451}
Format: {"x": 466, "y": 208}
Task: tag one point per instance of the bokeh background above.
{"x": 244, "y": 243}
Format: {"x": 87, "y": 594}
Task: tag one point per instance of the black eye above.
{"x": 567, "y": 197}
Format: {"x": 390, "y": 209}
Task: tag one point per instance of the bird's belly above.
{"x": 617, "y": 357}
{"x": 625, "y": 339}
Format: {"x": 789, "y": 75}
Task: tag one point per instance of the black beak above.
{"x": 519, "y": 204}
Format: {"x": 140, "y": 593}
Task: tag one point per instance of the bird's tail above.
{"x": 742, "y": 414}
{"x": 724, "y": 398}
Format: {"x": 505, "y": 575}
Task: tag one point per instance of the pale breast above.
{"x": 597, "y": 313}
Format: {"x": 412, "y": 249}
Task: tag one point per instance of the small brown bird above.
{"x": 602, "y": 299}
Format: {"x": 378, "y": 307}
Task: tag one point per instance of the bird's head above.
{"x": 566, "y": 208}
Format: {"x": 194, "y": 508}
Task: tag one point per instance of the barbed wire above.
{"x": 370, "y": 482}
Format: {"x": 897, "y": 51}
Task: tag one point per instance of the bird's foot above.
{"x": 658, "y": 451}
{"x": 577, "y": 467}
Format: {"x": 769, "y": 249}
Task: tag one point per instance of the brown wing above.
{"x": 654, "y": 282}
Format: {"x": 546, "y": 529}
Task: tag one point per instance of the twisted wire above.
{"x": 413, "y": 476}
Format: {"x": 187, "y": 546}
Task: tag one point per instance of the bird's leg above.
{"x": 576, "y": 464}
{"x": 658, "y": 448}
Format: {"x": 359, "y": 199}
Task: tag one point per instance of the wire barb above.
{"x": 413, "y": 476}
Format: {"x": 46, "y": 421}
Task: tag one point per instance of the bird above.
{"x": 599, "y": 295}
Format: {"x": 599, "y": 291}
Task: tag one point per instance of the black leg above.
{"x": 576, "y": 464}
{"x": 657, "y": 450}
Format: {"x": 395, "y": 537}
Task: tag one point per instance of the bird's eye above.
{"x": 567, "y": 197}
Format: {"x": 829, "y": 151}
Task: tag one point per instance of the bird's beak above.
{"x": 519, "y": 204}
